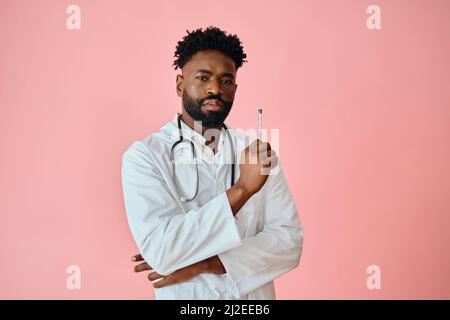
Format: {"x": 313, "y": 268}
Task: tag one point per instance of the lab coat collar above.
{"x": 190, "y": 134}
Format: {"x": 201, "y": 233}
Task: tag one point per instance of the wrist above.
{"x": 242, "y": 190}
{"x": 238, "y": 196}
{"x": 214, "y": 265}
{"x": 205, "y": 266}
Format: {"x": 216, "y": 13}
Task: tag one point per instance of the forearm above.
{"x": 237, "y": 197}
{"x": 167, "y": 237}
{"x": 213, "y": 265}
{"x": 262, "y": 258}
{"x": 184, "y": 239}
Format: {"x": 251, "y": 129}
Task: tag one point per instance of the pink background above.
{"x": 364, "y": 128}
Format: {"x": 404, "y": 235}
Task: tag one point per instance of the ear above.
{"x": 180, "y": 85}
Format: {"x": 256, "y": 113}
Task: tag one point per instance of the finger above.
{"x": 142, "y": 267}
{"x": 265, "y": 151}
{"x": 251, "y": 157}
{"x": 274, "y": 163}
{"x": 154, "y": 276}
{"x": 136, "y": 258}
{"x": 253, "y": 152}
{"x": 271, "y": 162}
{"x": 266, "y": 160}
{"x": 263, "y": 155}
{"x": 266, "y": 163}
{"x": 264, "y": 146}
{"x": 167, "y": 281}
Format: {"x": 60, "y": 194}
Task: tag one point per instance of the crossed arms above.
{"x": 177, "y": 249}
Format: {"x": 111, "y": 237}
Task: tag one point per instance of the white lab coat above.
{"x": 262, "y": 242}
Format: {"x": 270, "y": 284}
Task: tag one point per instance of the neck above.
{"x": 187, "y": 119}
{"x": 213, "y": 140}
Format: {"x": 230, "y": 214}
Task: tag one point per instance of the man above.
{"x": 202, "y": 234}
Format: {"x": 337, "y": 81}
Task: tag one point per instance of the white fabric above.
{"x": 262, "y": 242}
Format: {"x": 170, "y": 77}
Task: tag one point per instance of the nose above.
{"x": 213, "y": 88}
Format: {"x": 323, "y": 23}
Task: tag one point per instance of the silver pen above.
{"x": 259, "y": 124}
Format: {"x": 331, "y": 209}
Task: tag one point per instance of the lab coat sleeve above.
{"x": 273, "y": 251}
{"x": 167, "y": 238}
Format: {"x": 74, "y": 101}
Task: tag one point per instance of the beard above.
{"x": 209, "y": 119}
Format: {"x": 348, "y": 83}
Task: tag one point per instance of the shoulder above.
{"x": 148, "y": 152}
{"x": 156, "y": 143}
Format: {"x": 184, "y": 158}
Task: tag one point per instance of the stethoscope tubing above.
{"x": 194, "y": 156}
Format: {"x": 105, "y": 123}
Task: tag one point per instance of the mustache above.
{"x": 218, "y": 98}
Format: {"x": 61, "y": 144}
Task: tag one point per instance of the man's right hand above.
{"x": 255, "y": 164}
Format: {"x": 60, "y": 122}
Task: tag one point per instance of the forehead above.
{"x": 211, "y": 60}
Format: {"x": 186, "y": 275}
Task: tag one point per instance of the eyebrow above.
{"x": 226, "y": 74}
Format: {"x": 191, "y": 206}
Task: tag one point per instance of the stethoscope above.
{"x": 194, "y": 156}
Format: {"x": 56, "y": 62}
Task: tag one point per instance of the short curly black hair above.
{"x": 212, "y": 38}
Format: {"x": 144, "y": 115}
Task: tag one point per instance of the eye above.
{"x": 201, "y": 78}
{"x": 228, "y": 81}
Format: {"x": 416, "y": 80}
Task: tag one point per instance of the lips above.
{"x": 213, "y": 105}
